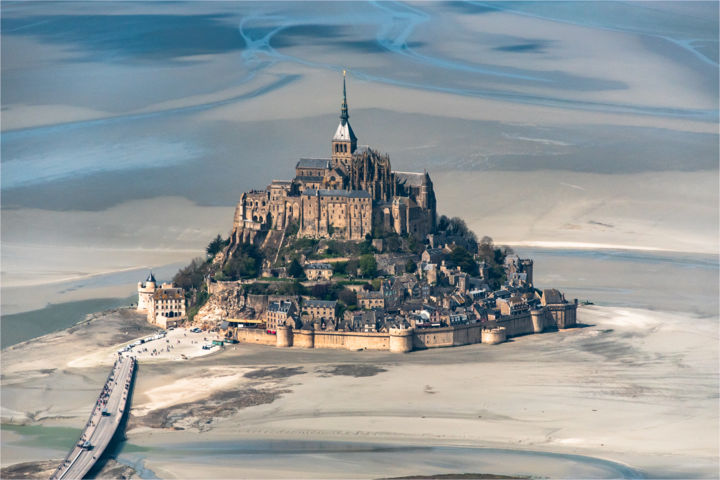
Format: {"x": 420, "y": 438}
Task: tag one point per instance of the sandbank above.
{"x": 633, "y": 387}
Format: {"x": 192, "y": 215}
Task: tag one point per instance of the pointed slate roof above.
{"x": 344, "y": 132}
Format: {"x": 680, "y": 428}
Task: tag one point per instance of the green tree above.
{"x": 368, "y": 265}
{"x": 494, "y": 258}
{"x": 295, "y": 270}
{"x": 462, "y": 258}
{"x": 292, "y": 229}
{"x": 246, "y": 262}
{"x": 348, "y": 297}
{"x": 352, "y": 267}
{"x": 216, "y": 246}
{"x": 321, "y": 291}
{"x": 192, "y": 277}
{"x": 443, "y": 222}
{"x": 393, "y": 243}
{"x": 410, "y": 266}
{"x": 414, "y": 245}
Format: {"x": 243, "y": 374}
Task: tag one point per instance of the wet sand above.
{"x": 634, "y": 388}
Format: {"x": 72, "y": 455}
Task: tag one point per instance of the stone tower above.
{"x": 146, "y": 290}
{"x": 344, "y": 142}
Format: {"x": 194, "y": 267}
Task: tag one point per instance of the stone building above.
{"x": 320, "y": 309}
{"x": 278, "y": 314}
{"x": 318, "y": 271}
{"x": 519, "y": 271}
{"x": 164, "y": 305}
{"x": 344, "y": 196}
{"x": 369, "y": 300}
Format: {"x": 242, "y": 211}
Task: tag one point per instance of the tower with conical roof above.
{"x": 344, "y": 142}
{"x": 146, "y": 290}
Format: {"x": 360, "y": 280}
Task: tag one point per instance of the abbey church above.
{"x": 343, "y": 197}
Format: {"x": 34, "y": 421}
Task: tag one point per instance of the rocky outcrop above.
{"x": 229, "y": 303}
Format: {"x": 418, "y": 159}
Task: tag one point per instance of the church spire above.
{"x": 344, "y": 142}
{"x": 344, "y": 109}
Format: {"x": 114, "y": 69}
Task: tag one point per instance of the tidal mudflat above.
{"x": 565, "y": 129}
{"x": 632, "y": 392}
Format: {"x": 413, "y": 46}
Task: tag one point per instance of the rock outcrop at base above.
{"x": 222, "y": 305}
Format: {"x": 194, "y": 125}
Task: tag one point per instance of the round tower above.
{"x": 493, "y": 336}
{"x": 284, "y": 336}
{"x": 538, "y": 320}
{"x": 401, "y": 340}
{"x": 146, "y": 290}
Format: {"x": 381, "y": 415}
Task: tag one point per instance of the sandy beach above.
{"x": 633, "y": 388}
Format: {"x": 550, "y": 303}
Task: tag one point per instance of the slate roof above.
{"x": 282, "y": 307}
{"x": 308, "y": 178}
{"x": 369, "y": 295}
{"x": 313, "y": 163}
{"x": 344, "y": 133}
{"x": 320, "y": 303}
{"x": 412, "y": 179}
{"x": 337, "y": 193}
{"x": 318, "y": 266}
{"x": 168, "y": 294}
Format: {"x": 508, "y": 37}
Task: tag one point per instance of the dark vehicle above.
{"x": 105, "y": 412}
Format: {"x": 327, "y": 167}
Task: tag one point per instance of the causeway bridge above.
{"x": 102, "y": 424}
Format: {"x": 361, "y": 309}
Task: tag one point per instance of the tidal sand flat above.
{"x": 560, "y": 125}
{"x": 633, "y": 392}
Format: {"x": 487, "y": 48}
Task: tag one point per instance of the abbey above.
{"x": 344, "y": 196}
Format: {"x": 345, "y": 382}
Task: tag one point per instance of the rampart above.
{"x": 447, "y": 336}
{"x": 399, "y": 340}
{"x": 255, "y": 335}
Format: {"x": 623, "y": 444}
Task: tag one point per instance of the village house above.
{"x": 319, "y": 309}
{"x": 278, "y": 313}
{"x": 368, "y": 321}
{"x": 369, "y": 300}
{"x": 164, "y": 305}
{"x": 318, "y": 271}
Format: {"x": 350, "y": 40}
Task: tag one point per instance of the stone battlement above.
{"x": 403, "y": 340}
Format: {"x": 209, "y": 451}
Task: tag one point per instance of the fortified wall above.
{"x": 399, "y": 340}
